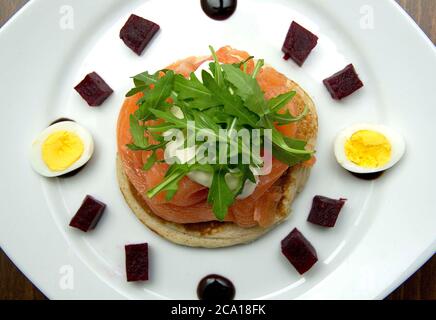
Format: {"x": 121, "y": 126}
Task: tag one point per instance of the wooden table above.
{"x": 422, "y": 285}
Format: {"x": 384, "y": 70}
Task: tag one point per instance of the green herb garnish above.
{"x": 226, "y": 97}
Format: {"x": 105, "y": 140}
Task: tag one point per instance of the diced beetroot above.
{"x": 325, "y": 211}
{"x": 93, "y": 89}
{"x": 138, "y": 32}
{"x": 343, "y": 83}
{"x": 299, "y": 43}
{"x": 299, "y": 251}
{"x": 137, "y": 262}
{"x": 88, "y": 214}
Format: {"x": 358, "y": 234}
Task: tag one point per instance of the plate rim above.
{"x": 413, "y": 266}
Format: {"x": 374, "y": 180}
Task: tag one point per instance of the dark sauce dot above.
{"x": 368, "y": 176}
{"x": 76, "y": 171}
{"x": 219, "y": 9}
{"x": 215, "y": 288}
{"x": 60, "y": 120}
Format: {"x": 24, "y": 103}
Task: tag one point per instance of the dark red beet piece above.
{"x": 325, "y": 211}
{"x": 299, "y": 43}
{"x": 93, "y": 89}
{"x": 138, "y": 32}
{"x": 88, "y": 214}
{"x": 343, "y": 83}
{"x": 137, "y": 262}
{"x": 299, "y": 251}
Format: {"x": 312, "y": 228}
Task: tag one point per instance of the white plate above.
{"x": 385, "y": 232}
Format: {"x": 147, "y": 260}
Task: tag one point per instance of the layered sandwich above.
{"x": 212, "y": 150}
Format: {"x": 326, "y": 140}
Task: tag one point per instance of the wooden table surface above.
{"x": 422, "y": 285}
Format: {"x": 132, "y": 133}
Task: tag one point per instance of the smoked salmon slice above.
{"x": 189, "y": 205}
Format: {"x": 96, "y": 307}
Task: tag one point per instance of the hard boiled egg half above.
{"x": 61, "y": 148}
{"x": 368, "y": 148}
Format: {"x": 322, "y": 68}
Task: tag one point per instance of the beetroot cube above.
{"x": 299, "y": 251}
{"x": 138, "y": 32}
{"x": 137, "y": 262}
{"x": 299, "y": 43}
{"x": 88, "y": 214}
{"x": 343, "y": 83}
{"x": 93, "y": 89}
{"x": 325, "y": 211}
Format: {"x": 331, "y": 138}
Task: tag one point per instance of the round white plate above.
{"x": 386, "y": 230}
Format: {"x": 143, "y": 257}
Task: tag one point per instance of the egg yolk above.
{"x": 368, "y": 149}
{"x": 61, "y": 149}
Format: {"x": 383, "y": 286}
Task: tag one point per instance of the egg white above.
{"x": 395, "y": 138}
{"x": 38, "y": 163}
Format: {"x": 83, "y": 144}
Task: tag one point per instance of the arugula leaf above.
{"x": 156, "y": 135}
{"x": 216, "y": 68}
{"x": 288, "y": 151}
{"x": 243, "y": 63}
{"x": 287, "y": 117}
{"x": 162, "y": 89}
{"x": 170, "y": 181}
{"x": 280, "y": 142}
{"x": 159, "y": 128}
{"x": 220, "y": 195}
{"x": 279, "y": 102}
{"x": 190, "y": 88}
{"x": 137, "y": 131}
{"x": 143, "y": 113}
{"x": 145, "y": 78}
{"x": 295, "y": 143}
{"x": 200, "y": 97}
{"x": 150, "y": 161}
{"x": 257, "y": 68}
{"x": 135, "y": 90}
{"x": 243, "y": 82}
{"x": 202, "y": 121}
{"x": 247, "y": 88}
{"x": 142, "y": 82}
{"x": 218, "y": 115}
{"x": 150, "y": 147}
{"x": 290, "y": 158}
{"x": 233, "y": 105}
{"x": 171, "y": 188}
{"x": 140, "y": 141}
{"x": 168, "y": 116}
{"x": 202, "y": 167}
{"x": 155, "y": 98}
